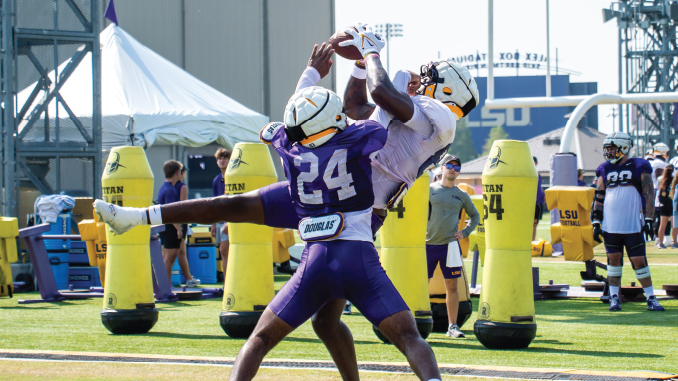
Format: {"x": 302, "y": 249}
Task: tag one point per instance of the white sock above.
{"x": 156, "y": 216}
{"x": 144, "y": 218}
{"x": 649, "y": 291}
{"x": 614, "y": 290}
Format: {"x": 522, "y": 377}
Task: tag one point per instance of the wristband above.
{"x": 359, "y": 73}
{"x": 370, "y": 53}
{"x": 360, "y": 64}
{"x": 154, "y": 215}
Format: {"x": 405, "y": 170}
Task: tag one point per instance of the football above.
{"x": 349, "y": 52}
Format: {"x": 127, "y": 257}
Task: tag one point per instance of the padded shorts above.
{"x": 634, "y": 243}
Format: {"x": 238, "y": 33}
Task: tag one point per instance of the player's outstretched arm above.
{"x": 355, "y": 97}
{"x": 384, "y": 93}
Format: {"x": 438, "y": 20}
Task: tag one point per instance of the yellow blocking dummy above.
{"x": 477, "y": 238}
{"x": 248, "y": 287}
{"x": 541, "y": 248}
{"x": 506, "y": 310}
{"x": 129, "y": 304}
{"x": 283, "y": 239}
{"x": 403, "y": 252}
{"x": 93, "y": 232}
{"x": 574, "y": 229}
{"x": 464, "y": 243}
{"x": 9, "y": 230}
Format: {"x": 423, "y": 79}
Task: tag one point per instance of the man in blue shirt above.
{"x": 172, "y": 237}
{"x": 220, "y": 230}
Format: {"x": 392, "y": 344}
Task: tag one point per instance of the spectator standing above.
{"x": 674, "y": 218}
{"x": 446, "y": 201}
{"x": 182, "y": 191}
{"x": 220, "y": 231}
{"x": 665, "y": 204}
{"x": 541, "y": 199}
{"x": 580, "y": 178}
{"x": 172, "y": 236}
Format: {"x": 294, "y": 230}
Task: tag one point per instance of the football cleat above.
{"x": 653, "y": 304}
{"x": 120, "y": 219}
{"x": 615, "y": 303}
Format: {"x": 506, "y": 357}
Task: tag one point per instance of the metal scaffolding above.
{"x": 46, "y": 148}
{"x": 647, "y": 37}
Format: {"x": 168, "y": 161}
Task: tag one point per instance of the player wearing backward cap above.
{"x": 624, "y": 193}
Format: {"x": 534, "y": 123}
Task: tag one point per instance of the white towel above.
{"x": 454, "y": 255}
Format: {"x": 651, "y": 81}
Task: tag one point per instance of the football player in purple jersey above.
{"x": 623, "y": 210}
{"x": 275, "y": 210}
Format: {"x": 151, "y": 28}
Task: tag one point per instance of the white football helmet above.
{"x": 622, "y": 141}
{"x": 451, "y": 84}
{"x": 661, "y": 149}
{"x": 313, "y": 115}
{"x": 649, "y": 155}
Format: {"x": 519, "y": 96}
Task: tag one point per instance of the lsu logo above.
{"x": 236, "y": 160}
{"x": 113, "y": 166}
{"x": 494, "y": 161}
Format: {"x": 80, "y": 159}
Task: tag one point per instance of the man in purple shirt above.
{"x": 172, "y": 236}
{"x": 220, "y": 230}
{"x": 541, "y": 199}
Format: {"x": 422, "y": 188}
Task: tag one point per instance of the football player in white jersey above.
{"x": 624, "y": 193}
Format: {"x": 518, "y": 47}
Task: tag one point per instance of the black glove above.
{"x": 597, "y": 232}
{"x": 647, "y": 230}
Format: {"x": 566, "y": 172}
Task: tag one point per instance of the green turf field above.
{"x": 577, "y": 333}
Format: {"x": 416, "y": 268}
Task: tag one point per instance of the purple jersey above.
{"x": 335, "y": 177}
{"x": 628, "y": 174}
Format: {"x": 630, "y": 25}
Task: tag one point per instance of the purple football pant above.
{"x": 437, "y": 254}
{"x": 279, "y": 211}
{"x": 338, "y": 270}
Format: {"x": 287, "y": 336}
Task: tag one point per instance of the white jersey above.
{"x": 656, "y": 164}
{"x": 674, "y": 161}
{"x": 626, "y": 219}
{"x": 411, "y": 147}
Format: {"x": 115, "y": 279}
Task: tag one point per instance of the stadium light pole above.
{"x": 389, "y": 30}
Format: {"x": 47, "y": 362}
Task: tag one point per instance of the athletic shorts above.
{"x": 338, "y": 270}
{"x": 666, "y": 210}
{"x": 279, "y": 211}
{"x": 437, "y": 254}
{"x": 169, "y": 238}
{"x": 220, "y": 237}
{"x": 634, "y": 243}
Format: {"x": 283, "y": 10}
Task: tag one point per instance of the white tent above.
{"x": 149, "y": 99}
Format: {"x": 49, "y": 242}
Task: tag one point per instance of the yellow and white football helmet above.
{"x": 313, "y": 115}
{"x": 661, "y": 149}
{"x": 451, "y": 84}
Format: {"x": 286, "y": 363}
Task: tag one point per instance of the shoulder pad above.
{"x": 268, "y": 132}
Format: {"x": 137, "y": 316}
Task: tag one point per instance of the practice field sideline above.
{"x": 572, "y": 334}
{"x": 446, "y": 369}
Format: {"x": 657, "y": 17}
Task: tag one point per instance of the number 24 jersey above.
{"x": 335, "y": 177}
{"x": 624, "y": 200}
